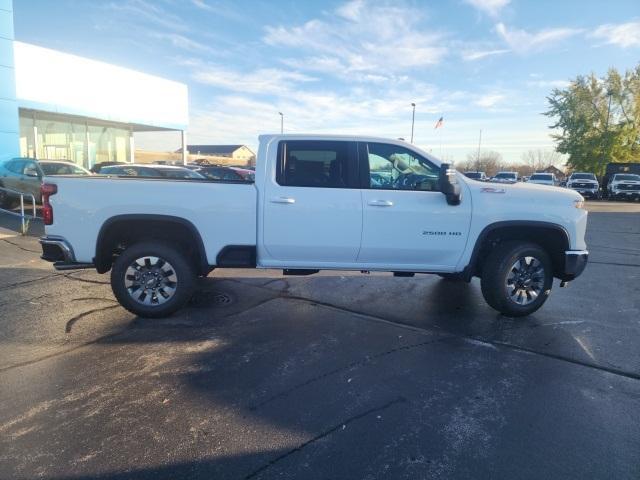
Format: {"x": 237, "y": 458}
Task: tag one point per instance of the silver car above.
{"x": 25, "y": 175}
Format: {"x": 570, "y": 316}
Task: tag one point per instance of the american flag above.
{"x": 439, "y": 123}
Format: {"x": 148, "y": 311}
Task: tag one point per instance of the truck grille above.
{"x": 626, "y": 186}
{"x": 583, "y": 185}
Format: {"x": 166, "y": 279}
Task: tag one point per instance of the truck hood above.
{"x": 527, "y": 189}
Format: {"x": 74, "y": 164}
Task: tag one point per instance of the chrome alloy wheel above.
{"x": 151, "y": 280}
{"x": 525, "y": 280}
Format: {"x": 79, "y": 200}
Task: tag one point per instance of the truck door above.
{"x": 407, "y": 223}
{"x": 312, "y": 208}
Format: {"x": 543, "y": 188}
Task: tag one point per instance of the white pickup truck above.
{"x": 318, "y": 202}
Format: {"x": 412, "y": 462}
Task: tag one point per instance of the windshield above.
{"x": 475, "y": 175}
{"x": 541, "y": 176}
{"x": 62, "y": 169}
{"x": 627, "y": 177}
{"x": 509, "y": 175}
{"x": 583, "y": 176}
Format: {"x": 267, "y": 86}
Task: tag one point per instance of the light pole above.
{"x": 281, "y": 122}
{"x": 413, "y": 120}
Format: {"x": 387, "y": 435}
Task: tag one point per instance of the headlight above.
{"x": 578, "y": 203}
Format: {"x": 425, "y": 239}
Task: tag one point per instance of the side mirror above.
{"x": 448, "y": 184}
{"x": 31, "y": 173}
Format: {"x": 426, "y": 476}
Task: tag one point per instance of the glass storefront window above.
{"x": 27, "y": 147}
{"x": 108, "y": 144}
{"x": 60, "y": 138}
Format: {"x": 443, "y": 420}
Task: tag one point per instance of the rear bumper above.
{"x": 60, "y": 252}
{"x": 575, "y": 261}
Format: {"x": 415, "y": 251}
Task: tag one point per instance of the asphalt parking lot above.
{"x": 331, "y": 376}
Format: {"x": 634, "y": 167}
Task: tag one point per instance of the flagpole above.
{"x": 441, "y": 116}
{"x": 413, "y": 119}
{"x": 478, "y": 160}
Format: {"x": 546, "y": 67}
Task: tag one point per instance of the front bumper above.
{"x": 625, "y": 193}
{"x": 60, "y": 252}
{"x": 575, "y": 261}
{"x": 586, "y": 192}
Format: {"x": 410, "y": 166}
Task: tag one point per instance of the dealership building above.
{"x": 54, "y": 105}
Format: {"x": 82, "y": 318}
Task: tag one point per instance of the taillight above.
{"x": 47, "y": 189}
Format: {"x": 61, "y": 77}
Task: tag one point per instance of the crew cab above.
{"x": 584, "y": 183}
{"x": 318, "y": 203}
{"x": 624, "y": 185}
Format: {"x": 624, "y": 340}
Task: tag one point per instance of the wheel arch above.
{"x": 125, "y": 230}
{"x": 553, "y": 237}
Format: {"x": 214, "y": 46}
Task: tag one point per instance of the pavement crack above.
{"x": 358, "y": 363}
{"x": 325, "y": 434}
{"x": 33, "y": 280}
{"x": 73, "y": 320}
{"x": 100, "y": 299}
{"x": 85, "y": 280}
{"x": 495, "y": 343}
{"x": 20, "y": 246}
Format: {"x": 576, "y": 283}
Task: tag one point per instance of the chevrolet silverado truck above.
{"x": 318, "y": 203}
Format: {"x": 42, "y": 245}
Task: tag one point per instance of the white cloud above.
{"x": 262, "y": 81}
{"x": 136, "y": 10}
{"x": 490, "y": 7}
{"x": 490, "y": 100}
{"x": 202, "y": 5}
{"x": 480, "y": 54}
{"x": 624, "y": 35}
{"x": 363, "y": 37}
{"x": 523, "y": 41}
{"x": 180, "y": 41}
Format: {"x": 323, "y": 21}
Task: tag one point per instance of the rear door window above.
{"x": 319, "y": 164}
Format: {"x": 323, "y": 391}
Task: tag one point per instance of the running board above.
{"x": 72, "y": 266}
{"x": 299, "y": 271}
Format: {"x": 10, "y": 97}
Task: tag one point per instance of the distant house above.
{"x": 560, "y": 175}
{"x": 222, "y": 154}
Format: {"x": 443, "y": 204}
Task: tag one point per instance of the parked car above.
{"x": 543, "y": 179}
{"x": 314, "y": 206}
{"x": 624, "y": 185}
{"x": 151, "y": 171}
{"x": 218, "y": 172}
{"x": 25, "y": 175}
{"x": 480, "y": 176}
{"x": 584, "y": 183}
{"x": 99, "y": 166}
{"x": 617, "y": 167}
{"x": 505, "y": 177}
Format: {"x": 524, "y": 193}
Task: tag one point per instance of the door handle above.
{"x": 283, "y": 200}
{"x": 381, "y": 203}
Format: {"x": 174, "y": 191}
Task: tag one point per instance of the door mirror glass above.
{"x": 448, "y": 184}
{"x": 31, "y": 171}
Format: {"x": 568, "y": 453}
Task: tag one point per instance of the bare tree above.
{"x": 540, "y": 159}
{"x": 489, "y": 162}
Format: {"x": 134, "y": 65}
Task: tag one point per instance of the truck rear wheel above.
{"x": 152, "y": 279}
{"x": 517, "y": 278}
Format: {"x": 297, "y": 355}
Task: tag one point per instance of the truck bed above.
{"x": 224, "y": 213}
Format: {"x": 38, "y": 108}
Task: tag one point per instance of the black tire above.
{"x": 498, "y": 267}
{"x": 172, "y": 261}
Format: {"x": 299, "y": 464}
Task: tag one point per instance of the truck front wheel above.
{"x": 517, "y": 278}
{"x": 152, "y": 279}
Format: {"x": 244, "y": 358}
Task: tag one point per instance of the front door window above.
{"x": 392, "y": 167}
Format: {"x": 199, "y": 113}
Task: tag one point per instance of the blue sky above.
{"x": 353, "y": 67}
